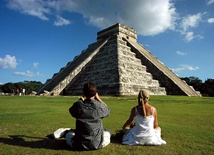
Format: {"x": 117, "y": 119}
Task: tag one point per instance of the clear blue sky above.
{"x": 38, "y": 37}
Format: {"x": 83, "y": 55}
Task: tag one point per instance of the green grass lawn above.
{"x": 187, "y": 125}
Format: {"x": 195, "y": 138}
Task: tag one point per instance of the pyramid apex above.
{"x": 117, "y": 29}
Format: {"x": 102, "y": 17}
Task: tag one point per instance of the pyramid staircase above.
{"x": 118, "y": 65}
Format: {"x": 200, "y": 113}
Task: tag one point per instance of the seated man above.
{"x": 89, "y": 133}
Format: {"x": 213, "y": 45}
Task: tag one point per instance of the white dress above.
{"x": 143, "y": 133}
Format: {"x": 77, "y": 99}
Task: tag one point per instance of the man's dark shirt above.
{"x": 89, "y": 127}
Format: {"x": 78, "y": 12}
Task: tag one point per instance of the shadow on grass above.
{"x": 46, "y": 143}
{"x": 117, "y": 137}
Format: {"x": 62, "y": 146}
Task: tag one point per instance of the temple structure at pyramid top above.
{"x": 118, "y": 29}
{"x": 117, "y": 65}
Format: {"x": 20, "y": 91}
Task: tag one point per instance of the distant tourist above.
{"x": 23, "y": 91}
{"x": 89, "y": 111}
{"x": 17, "y": 91}
{"x": 145, "y": 130}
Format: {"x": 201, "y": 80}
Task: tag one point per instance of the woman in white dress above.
{"x": 146, "y": 130}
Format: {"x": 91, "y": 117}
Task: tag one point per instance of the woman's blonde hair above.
{"x": 143, "y": 97}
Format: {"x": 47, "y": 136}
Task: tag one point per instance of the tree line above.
{"x": 20, "y": 88}
{"x": 206, "y": 88}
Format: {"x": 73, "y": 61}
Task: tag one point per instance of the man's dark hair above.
{"x": 89, "y": 90}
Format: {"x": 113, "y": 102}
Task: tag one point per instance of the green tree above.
{"x": 8, "y": 88}
{"x": 208, "y": 88}
{"x": 194, "y": 81}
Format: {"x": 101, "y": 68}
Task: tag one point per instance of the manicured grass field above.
{"x": 187, "y": 125}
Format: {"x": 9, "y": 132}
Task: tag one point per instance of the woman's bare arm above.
{"x": 126, "y": 126}
{"x": 155, "y": 118}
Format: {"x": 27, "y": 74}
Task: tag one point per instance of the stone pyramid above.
{"x": 117, "y": 65}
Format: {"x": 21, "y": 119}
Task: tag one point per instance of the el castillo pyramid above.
{"x": 117, "y": 65}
